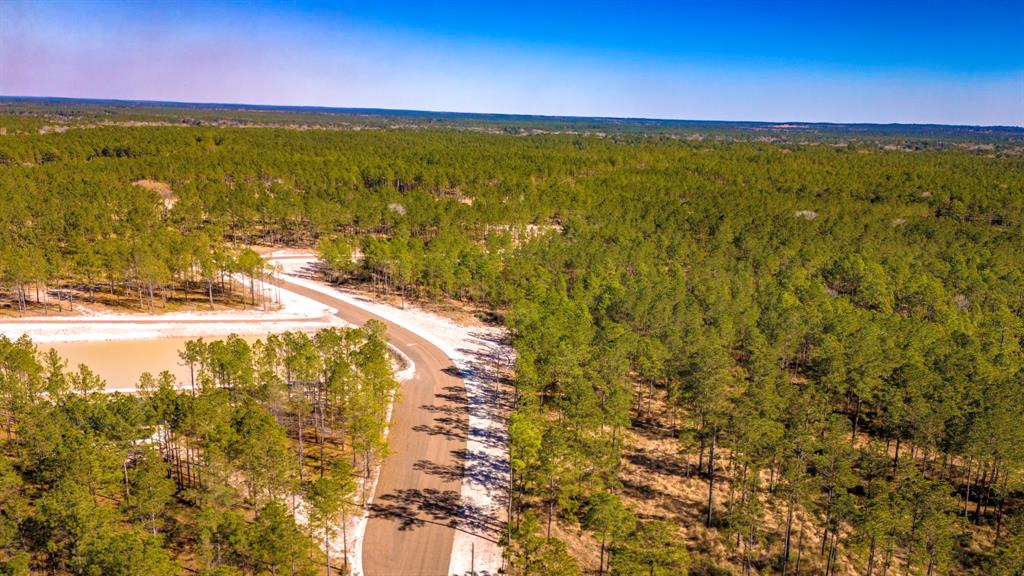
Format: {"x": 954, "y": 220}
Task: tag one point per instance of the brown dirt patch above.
{"x": 163, "y": 189}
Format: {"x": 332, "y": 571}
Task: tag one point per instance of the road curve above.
{"x": 416, "y": 503}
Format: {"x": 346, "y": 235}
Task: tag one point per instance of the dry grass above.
{"x": 658, "y": 482}
{"x": 581, "y": 545}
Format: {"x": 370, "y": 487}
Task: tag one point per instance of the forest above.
{"x": 107, "y": 484}
{"x": 732, "y": 356}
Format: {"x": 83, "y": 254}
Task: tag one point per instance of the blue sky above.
{"x": 941, "y": 62}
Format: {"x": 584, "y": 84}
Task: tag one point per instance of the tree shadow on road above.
{"x": 414, "y": 508}
{"x": 481, "y": 468}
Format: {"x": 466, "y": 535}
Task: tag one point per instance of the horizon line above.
{"x": 510, "y": 115}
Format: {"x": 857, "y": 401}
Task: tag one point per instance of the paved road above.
{"x": 416, "y": 503}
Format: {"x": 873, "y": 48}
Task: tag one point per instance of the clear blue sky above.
{"x": 898, "y": 61}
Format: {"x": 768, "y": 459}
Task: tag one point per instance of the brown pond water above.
{"x": 121, "y": 362}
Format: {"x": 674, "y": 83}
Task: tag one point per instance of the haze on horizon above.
{"x": 920, "y": 62}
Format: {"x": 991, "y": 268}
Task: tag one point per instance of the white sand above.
{"x": 295, "y": 313}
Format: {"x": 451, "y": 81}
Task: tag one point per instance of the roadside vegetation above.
{"x": 732, "y": 357}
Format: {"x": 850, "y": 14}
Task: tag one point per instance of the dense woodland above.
{"x": 828, "y": 335}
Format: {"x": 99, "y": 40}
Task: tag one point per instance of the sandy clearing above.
{"x": 295, "y": 313}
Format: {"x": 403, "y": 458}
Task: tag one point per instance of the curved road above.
{"x": 416, "y": 504}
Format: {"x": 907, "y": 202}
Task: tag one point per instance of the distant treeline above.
{"x": 31, "y": 114}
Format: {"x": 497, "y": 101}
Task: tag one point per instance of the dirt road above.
{"x": 417, "y": 501}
